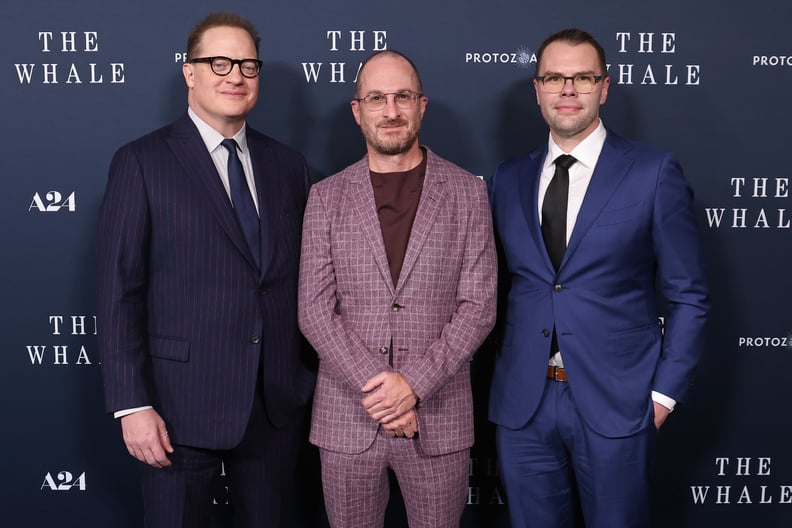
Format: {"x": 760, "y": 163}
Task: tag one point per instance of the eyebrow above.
{"x": 401, "y": 90}
{"x": 585, "y": 72}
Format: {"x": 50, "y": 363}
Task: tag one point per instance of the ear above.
{"x": 355, "y": 110}
{"x": 604, "y": 94}
{"x": 424, "y": 101}
{"x": 189, "y": 74}
{"x": 536, "y": 89}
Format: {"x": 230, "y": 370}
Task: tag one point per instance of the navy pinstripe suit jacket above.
{"x": 186, "y": 321}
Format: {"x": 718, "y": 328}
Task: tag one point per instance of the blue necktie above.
{"x": 244, "y": 207}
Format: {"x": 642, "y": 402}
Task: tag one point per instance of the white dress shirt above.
{"x": 212, "y": 139}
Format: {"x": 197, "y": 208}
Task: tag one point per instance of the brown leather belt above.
{"x": 556, "y": 373}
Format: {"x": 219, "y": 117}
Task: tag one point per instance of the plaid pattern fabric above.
{"x": 436, "y": 316}
{"x": 356, "y": 487}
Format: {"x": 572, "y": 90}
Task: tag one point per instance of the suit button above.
{"x": 262, "y": 292}
{"x": 255, "y": 340}
{"x": 396, "y": 308}
{"x": 546, "y": 332}
{"x": 383, "y": 350}
{"x": 558, "y": 288}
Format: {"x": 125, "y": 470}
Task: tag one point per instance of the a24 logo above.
{"x": 63, "y": 481}
{"x": 52, "y": 202}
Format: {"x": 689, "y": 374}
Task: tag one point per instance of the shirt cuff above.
{"x": 125, "y": 412}
{"x": 665, "y": 401}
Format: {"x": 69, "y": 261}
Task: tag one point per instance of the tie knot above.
{"x": 231, "y": 145}
{"x": 565, "y": 161}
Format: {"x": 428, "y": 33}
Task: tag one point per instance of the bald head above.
{"x": 384, "y": 59}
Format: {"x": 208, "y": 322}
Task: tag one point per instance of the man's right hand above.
{"x": 146, "y": 437}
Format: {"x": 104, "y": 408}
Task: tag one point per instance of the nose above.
{"x": 569, "y": 86}
{"x": 235, "y": 75}
{"x": 391, "y": 108}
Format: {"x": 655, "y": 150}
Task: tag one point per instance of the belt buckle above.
{"x": 556, "y": 373}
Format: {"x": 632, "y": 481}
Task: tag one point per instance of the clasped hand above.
{"x": 390, "y": 401}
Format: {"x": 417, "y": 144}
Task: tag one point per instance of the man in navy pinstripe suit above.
{"x": 201, "y": 355}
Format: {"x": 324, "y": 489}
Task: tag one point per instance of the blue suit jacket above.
{"x": 636, "y": 225}
{"x": 185, "y": 319}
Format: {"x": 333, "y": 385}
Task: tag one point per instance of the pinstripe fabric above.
{"x": 179, "y": 298}
{"x": 446, "y": 294}
{"x": 261, "y": 474}
{"x": 186, "y": 322}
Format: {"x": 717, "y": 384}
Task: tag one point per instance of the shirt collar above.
{"x": 212, "y": 138}
{"x": 586, "y": 152}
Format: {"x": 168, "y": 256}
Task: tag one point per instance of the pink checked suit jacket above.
{"x": 437, "y": 315}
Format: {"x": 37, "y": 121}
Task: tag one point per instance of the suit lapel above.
{"x": 265, "y": 173}
{"x": 528, "y": 182}
{"x": 364, "y": 209}
{"x": 611, "y": 168}
{"x": 431, "y": 200}
{"x": 190, "y": 150}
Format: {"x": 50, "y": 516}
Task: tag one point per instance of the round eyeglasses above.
{"x": 583, "y": 82}
{"x": 377, "y": 101}
{"x": 223, "y": 65}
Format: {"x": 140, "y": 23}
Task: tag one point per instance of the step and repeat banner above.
{"x": 708, "y": 80}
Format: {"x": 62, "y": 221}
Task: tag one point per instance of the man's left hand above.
{"x": 661, "y": 412}
{"x": 405, "y": 425}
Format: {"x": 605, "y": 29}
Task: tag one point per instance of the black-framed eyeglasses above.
{"x": 377, "y": 101}
{"x": 583, "y": 82}
{"x": 222, "y": 66}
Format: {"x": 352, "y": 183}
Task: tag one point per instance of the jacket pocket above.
{"x": 620, "y": 215}
{"x": 169, "y": 348}
{"x": 631, "y": 341}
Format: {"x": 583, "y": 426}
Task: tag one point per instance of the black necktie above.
{"x": 554, "y": 214}
{"x": 243, "y": 201}
{"x": 554, "y": 210}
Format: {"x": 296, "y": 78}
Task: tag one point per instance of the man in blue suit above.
{"x": 198, "y": 255}
{"x": 585, "y": 376}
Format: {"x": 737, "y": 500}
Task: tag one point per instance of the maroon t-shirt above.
{"x": 396, "y": 195}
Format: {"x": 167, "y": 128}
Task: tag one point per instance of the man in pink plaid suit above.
{"x": 397, "y": 291}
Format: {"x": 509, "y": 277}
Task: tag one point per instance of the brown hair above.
{"x": 573, "y": 37}
{"x": 214, "y": 20}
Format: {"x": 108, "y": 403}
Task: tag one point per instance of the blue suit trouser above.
{"x": 556, "y": 468}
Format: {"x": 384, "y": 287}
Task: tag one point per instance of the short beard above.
{"x": 393, "y": 148}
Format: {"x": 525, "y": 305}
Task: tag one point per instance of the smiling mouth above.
{"x": 392, "y": 124}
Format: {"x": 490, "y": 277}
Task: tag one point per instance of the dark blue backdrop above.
{"x": 705, "y": 79}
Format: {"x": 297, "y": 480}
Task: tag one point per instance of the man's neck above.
{"x": 228, "y": 128}
{"x": 567, "y": 144}
{"x": 395, "y": 162}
